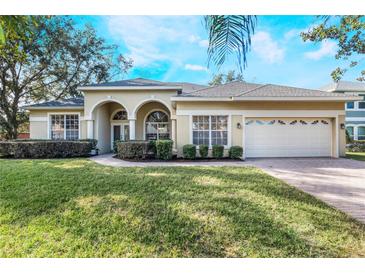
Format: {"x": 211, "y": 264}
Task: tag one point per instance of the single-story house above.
{"x": 266, "y": 120}
{"x": 355, "y": 111}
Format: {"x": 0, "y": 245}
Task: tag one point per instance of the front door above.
{"x": 119, "y": 132}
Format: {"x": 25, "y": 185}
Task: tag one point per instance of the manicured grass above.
{"x": 360, "y": 156}
{"x": 76, "y": 208}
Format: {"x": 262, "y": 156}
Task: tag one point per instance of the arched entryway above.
{"x": 153, "y": 121}
{"x": 109, "y": 122}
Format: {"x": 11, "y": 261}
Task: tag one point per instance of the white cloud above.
{"x": 266, "y": 48}
{"x": 327, "y": 48}
{"x": 295, "y": 32}
{"x": 204, "y": 43}
{"x": 195, "y": 67}
{"x": 146, "y": 37}
{"x": 194, "y": 39}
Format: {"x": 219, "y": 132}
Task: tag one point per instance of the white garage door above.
{"x": 293, "y": 137}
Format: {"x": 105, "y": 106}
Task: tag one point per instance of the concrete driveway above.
{"x": 338, "y": 182}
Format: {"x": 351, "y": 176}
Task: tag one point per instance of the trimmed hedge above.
{"x": 132, "y": 149}
{"x": 218, "y": 151}
{"x": 189, "y": 152}
{"x": 356, "y": 146}
{"x": 152, "y": 147}
{"x": 235, "y": 152}
{"x": 164, "y": 149}
{"x": 203, "y": 151}
{"x": 21, "y": 149}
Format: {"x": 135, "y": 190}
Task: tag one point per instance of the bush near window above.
{"x": 356, "y": 146}
{"x": 164, "y": 149}
{"x": 235, "y": 152}
{"x": 152, "y": 148}
{"x": 189, "y": 151}
{"x": 132, "y": 149}
{"x": 46, "y": 148}
{"x": 203, "y": 151}
{"x": 218, "y": 151}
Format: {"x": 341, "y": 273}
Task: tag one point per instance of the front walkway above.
{"x": 108, "y": 160}
{"x": 338, "y": 182}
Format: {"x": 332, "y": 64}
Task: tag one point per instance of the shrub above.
{"x": 189, "y": 152}
{"x": 235, "y": 152}
{"x": 46, "y": 148}
{"x": 356, "y": 146}
{"x": 218, "y": 151}
{"x": 152, "y": 147}
{"x": 164, "y": 149}
{"x": 203, "y": 151}
{"x": 132, "y": 149}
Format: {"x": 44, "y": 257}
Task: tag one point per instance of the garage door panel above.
{"x": 292, "y": 137}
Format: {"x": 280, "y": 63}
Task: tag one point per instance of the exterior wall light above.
{"x": 239, "y": 125}
{"x": 342, "y": 126}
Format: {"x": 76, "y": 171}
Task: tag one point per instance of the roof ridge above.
{"x": 248, "y": 91}
{"x": 210, "y": 87}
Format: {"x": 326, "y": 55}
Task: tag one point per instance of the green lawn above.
{"x": 76, "y": 208}
{"x": 360, "y": 156}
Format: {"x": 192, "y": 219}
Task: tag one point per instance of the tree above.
{"x": 229, "y": 34}
{"x": 349, "y": 33}
{"x": 220, "y": 78}
{"x": 49, "y": 61}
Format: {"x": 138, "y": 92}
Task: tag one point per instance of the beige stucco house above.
{"x": 266, "y": 120}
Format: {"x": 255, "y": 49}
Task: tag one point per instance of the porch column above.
{"x": 132, "y": 129}
{"x": 90, "y": 129}
{"x": 173, "y": 132}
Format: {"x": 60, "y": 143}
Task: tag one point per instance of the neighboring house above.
{"x": 355, "y": 111}
{"x": 266, "y": 120}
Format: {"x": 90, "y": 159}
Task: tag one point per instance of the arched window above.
{"x": 157, "y": 126}
{"x": 120, "y": 115}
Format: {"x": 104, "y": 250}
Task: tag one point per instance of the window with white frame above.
{"x": 210, "y": 130}
{"x": 361, "y": 105}
{"x": 361, "y": 133}
{"x": 157, "y": 126}
{"x": 64, "y": 126}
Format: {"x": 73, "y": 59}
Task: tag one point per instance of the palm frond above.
{"x": 229, "y": 34}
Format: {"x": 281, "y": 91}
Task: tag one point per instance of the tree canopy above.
{"x": 349, "y": 33}
{"x": 49, "y": 61}
{"x": 221, "y": 78}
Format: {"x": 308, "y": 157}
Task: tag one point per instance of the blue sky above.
{"x": 173, "y": 48}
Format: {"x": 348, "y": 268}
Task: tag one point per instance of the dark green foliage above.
{"x": 218, "y": 151}
{"x": 164, "y": 149}
{"x": 152, "y": 147}
{"x": 203, "y": 151}
{"x": 132, "y": 149}
{"x": 49, "y": 59}
{"x": 356, "y": 146}
{"x": 189, "y": 151}
{"x": 46, "y": 148}
{"x": 235, "y": 152}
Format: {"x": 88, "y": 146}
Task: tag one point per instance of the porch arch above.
{"x": 149, "y": 100}
{"x": 105, "y": 101}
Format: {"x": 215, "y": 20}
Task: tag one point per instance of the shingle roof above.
{"x": 73, "y": 102}
{"x": 344, "y": 86}
{"x": 141, "y": 82}
{"x": 243, "y": 89}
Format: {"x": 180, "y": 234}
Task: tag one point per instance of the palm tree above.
{"x": 229, "y": 34}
